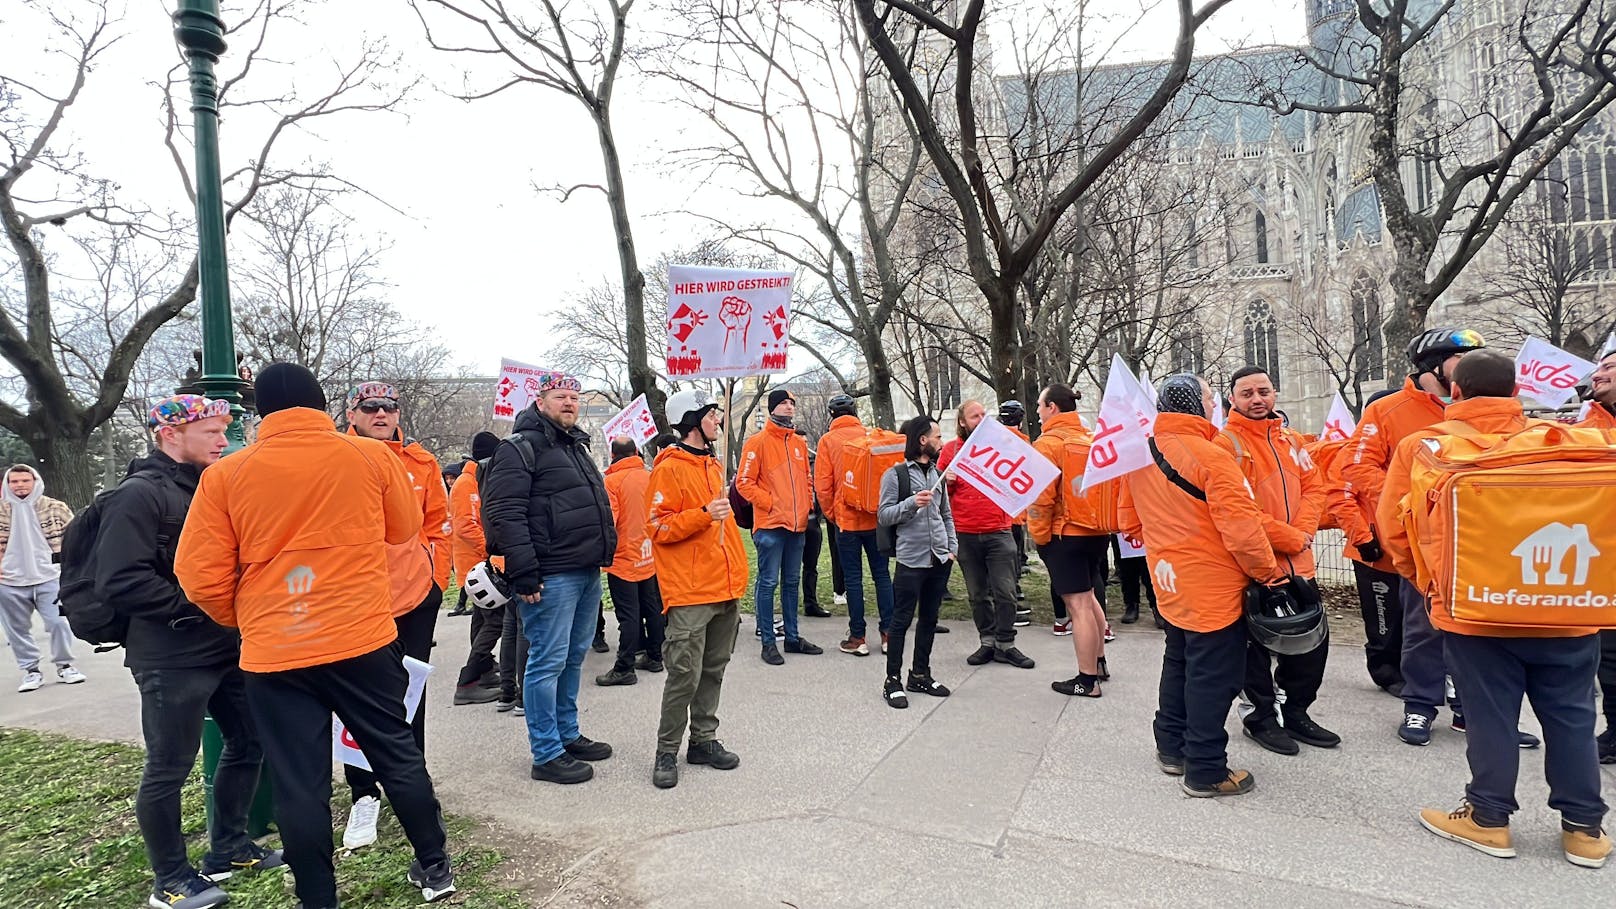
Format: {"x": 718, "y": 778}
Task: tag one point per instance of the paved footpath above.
{"x": 1004, "y": 794}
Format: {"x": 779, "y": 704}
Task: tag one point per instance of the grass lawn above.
{"x": 70, "y": 840}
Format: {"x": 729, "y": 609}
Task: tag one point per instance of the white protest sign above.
{"x": 1218, "y": 417}
{"x": 635, "y": 421}
{"x": 1547, "y": 374}
{"x": 1126, "y": 549}
{"x": 1338, "y": 423}
{"x": 343, "y": 747}
{"x": 727, "y": 321}
{"x": 518, "y": 387}
{"x": 1009, "y": 471}
{"x": 1122, "y": 430}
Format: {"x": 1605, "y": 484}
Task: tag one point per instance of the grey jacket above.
{"x": 922, "y": 533}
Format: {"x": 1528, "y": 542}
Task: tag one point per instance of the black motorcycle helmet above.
{"x": 1288, "y": 619}
{"x": 1427, "y": 350}
{"x": 1011, "y": 413}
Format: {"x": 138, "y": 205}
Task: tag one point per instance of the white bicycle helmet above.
{"x": 486, "y": 587}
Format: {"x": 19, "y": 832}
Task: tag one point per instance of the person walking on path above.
{"x": 702, "y": 569}
{"x": 925, "y": 545}
{"x": 471, "y": 548}
{"x": 280, "y": 542}
{"x": 31, "y": 529}
{"x": 546, "y": 510}
{"x": 855, "y": 529}
{"x": 773, "y": 476}
{"x": 631, "y": 577}
{"x": 184, "y": 664}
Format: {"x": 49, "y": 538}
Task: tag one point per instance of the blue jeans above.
{"x": 852, "y": 543}
{"x": 779, "y": 562}
{"x": 559, "y": 628}
{"x": 1423, "y": 665}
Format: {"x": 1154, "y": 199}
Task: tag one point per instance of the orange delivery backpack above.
{"x": 1095, "y": 511}
{"x": 1518, "y": 529}
{"x": 864, "y": 459}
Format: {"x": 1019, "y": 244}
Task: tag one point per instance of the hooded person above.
{"x": 31, "y": 529}
{"x": 1204, "y": 540}
{"x": 478, "y": 682}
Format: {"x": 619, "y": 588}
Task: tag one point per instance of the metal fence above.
{"x": 1333, "y": 567}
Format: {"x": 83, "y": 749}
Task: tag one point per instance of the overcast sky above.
{"x": 476, "y": 252}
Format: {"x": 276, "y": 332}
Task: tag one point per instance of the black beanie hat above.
{"x": 483, "y": 445}
{"x": 284, "y": 385}
{"x": 777, "y": 396}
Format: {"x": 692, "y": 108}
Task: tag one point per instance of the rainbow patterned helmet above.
{"x": 179, "y": 410}
{"x": 1430, "y": 348}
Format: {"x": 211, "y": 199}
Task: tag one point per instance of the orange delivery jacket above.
{"x": 628, "y": 484}
{"x": 281, "y": 541}
{"x": 1288, "y": 486}
{"x": 828, "y": 472}
{"x": 1202, "y": 555}
{"x": 415, "y": 568}
{"x": 699, "y": 561}
{"x": 1599, "y": 417}
{"x": 466, "y": 522}
{"x": 1385, "y": 423}
{"x": 1051, "y": 442}
{"x": 1488, "y": 415}
{"x": 773, "y": 476}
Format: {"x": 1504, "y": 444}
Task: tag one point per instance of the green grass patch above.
{"x": 70, "y": 839}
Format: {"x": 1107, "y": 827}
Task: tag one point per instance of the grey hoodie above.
{"x": 922, "y": 533}
{"x": 27, "y": 560}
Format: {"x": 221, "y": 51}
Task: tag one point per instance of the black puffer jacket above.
{"x": 556, "y": 518}
{"x": 136, "y": 575}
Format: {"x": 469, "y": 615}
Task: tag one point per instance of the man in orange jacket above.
{"x": 280, "y": 542}
{"x": 631, "y": 577}
{"x": 855, "y": 529}
{"x": 1290, "y": 493}
{"x": 1602, "y": 415}
{"x": 1384, "y": 424}
{"x": 1495, "y": 665}
{"x": 419, "y": 570}
{"x": 471, "y": 547}
{"x": 773, "y": 476}
{"x": 702, "y": 568}
{"x": 1204, "y": 540}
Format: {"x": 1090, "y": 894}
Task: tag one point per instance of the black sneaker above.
{"x": 815, "y": 611}
{"x": 190, "y": 892}
{"x": 713, "y": 754}
{"x": 982, "y": 656}
{"x": 665, "y": 772}
{"x": 600, "y": 645}
{"x": 925, "y": 684}
{"x": 505, "y": 706}
{"x": 1130, "y": 614}
{"x": 804, "y": 647}
{"x": 771, "y": 655}
{"x": 565, "y": 770}
{"x": 1607, "y": 745}
{"x": 474, "y": 693}
{"x": 1416, "y": 729}
{"x": 435, "y": 883}
{"x": 617, "y": 677}
{"x": 1014, "y": 657}
{"x": 940, "y": 628}
{"x": 1272, "y": 738}
{"x": 1302, "y": 728}
{"x": 585, "y": 749}
{"x": 1077, "y": 687}
{"x": 253, "y": 858}
{"x": 1172, "y": 766}
{"x": 655, "y": 666}
{"x": 892, "y": 692}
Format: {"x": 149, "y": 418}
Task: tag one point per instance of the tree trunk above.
{"x": 1407, "y": 318}
{"x": 64, "y": 462}
{"x": 641, "y": 380}
{"x": 875, "y": 356}
{"x": 1004, "y": 326}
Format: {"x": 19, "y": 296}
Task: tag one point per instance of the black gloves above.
{"x": 1371, "y": 551}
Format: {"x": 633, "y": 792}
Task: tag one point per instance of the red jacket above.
{"x": 973, "y": 511}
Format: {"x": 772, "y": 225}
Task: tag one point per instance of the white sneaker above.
{"x": 839, "y": 599}
{"x": 31, "y": 680}
{"x": 68, "y": 675}
{"x": 362, "y": 823}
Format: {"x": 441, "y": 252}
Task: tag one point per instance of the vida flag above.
{"x": 1122, "y": 430}
{"x": 1009, "y": 471}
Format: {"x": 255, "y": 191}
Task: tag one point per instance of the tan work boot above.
{"x": 1461, "y": 827}
{"x": 1589, "y": 849}
{"x": 1238, "y": 782}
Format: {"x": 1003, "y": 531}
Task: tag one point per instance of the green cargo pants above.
{"x": 697, "y": 648}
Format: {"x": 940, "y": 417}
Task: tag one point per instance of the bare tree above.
{"x": 1544, "y": 286}
{"x": 576, "y": 49}
{"x": 45, "y": 184}
{"x": 1448, "y": 158}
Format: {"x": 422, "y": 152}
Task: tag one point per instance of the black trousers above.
{"x": 813, "y": 542}
{"x": 1383, "y": 623}
{"x": 486, "y": 627}
{"x": 1201, "y": 673}
{"x": 415, "y": 630}
{"x": 1299, "y": 677}
{"x": 512, "y": 655}
{"x": 292, "y": 710}
{"x": 1134, "y": 573}
{"x": 172, "y": 705}
{"x": 638, "y": 605}
{"x": 988, "y": 562}
{"x": 838, "y": 584}
{"x": 1607, "y": 674}
{"x": 916, "y": 589}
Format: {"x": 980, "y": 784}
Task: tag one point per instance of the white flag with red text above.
{"x": 1338, "y": 423}
{"x": 343, "y": 747}
{"x": 635, "y": 422}
{"x": 1122, "y": 430}
{"x": 1003, "y": 467}
{"x": 1547, "y": 374}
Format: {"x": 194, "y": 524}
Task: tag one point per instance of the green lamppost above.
{"x": 200, "y": 32}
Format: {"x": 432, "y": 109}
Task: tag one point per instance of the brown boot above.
{"x": 1237, "y": 782}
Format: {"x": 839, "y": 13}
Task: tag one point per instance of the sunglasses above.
{"x": 376, "y": 408}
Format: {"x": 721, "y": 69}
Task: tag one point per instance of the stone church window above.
{"x": 1262, "y": 238}
{"x": 1262, "y": 339}
{"x": 1368, "y": 341}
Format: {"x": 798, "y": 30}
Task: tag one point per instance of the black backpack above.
{"x": 524, "y": 448}
{"x": 740, "y": 507}
{"x": 886, "y": 535}
{"x": 92, "y": 619}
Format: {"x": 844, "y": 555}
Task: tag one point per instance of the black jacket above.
{"x": 136, "y": 576}
{"x": 556, "y": 518}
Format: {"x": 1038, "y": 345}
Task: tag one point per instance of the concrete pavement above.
{"x": 1004, "y": 794}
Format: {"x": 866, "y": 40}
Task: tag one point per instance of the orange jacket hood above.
{"x": 1201, "y": 555}
{"x": 698, "y": 560}
{"x": 1288, "y": 486}
{"x": 829, "y": 470}
{"x": 773, "y": 476}
{"x": 415, "y": 568}
{"x": 281, "y": 542}
{"x": 628, "y": 482}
